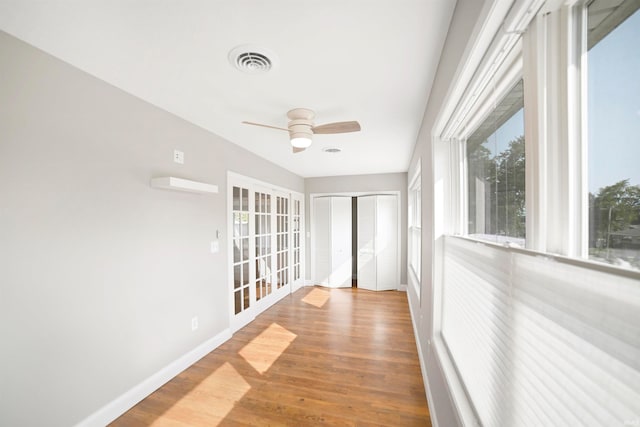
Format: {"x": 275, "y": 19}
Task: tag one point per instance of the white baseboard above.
{"x": 423, "y": 368}
{"x": 402, "y": 288}
{"x": 123, "y": 403}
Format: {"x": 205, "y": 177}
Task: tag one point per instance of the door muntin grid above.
{"x": 296, "y": 239}
{"x": 282, "y": 239}
{"x": 241, "y": 236}
{"x": 263, "y": 251}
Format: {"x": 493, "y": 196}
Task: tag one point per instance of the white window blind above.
{"x": 541, "y": 341}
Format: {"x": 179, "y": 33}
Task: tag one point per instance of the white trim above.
{"x": 255, "y": 181}
{"x": 126, "y": 401}
{"x": 403, "y": 287}
{"x": 491, "y": 44}
{"x": 423, "y": 368}
{"x": 533, "y": 72}
{"x": 415, "y": 185}
{"x": 303, "y": 253}
{"x": 488, "y": 24}
{"x": 464, "y": 408}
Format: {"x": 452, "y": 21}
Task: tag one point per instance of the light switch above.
{"x": 215, "y": 246}
{"x": 178, "y": 156}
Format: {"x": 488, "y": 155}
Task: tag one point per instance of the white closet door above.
{"x": 341, "y": 260}
{"x": 322, "y": 240}
{"x": 386, "y": 242}
{"x": 366, "y": 242}
{"x": 378, "y": 242}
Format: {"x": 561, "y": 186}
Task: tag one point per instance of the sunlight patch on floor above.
{"x": 211, "y": 400}
{"x": 317, "y": 297}
{"x": 265, "y": 349}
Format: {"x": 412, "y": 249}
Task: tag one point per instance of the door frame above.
{"x": 396, "y": 193}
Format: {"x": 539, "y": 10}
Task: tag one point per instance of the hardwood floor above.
{"x": 335, "y": 357}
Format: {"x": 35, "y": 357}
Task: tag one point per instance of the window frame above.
{"x": 472, "y": 112}
{"x": 414, "y": 234}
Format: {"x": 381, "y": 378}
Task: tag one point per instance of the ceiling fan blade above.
{"x": 337, "y": 127}
{"x": 264, "y": 126}
{"x": 297, "y": 150}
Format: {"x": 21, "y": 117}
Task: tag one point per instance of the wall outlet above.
{"x": 178, "y": 156}
{"x": 194, "y": 323}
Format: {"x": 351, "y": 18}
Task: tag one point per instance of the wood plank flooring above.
{"x": 333, "y": 357}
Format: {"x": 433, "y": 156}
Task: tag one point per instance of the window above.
{"x": 613, "y": 127}
{"x": 535, "y": 335}
{"x": 496, "y": 173}
{"x": 415, "y": 230}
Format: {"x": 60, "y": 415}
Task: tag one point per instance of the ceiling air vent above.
{"x": 332, "y": 150}
{"x": 252, "y": 59}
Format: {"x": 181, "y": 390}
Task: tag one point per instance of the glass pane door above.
{"x": 282, "y": 238}
{"x": 263, "y": 244}
{"x": 241, "y": 235}
{"x": 296, "y": 224}
{"x": 297, "y": 241}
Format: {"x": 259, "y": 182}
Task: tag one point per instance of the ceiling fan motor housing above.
{"x": 300, "y": 128}
{"x": 301, "y": 122}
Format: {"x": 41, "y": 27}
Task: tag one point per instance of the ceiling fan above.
{"x": 301, "y": 128}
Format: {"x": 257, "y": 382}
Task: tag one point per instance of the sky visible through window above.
{"x": 510, "y": 130}
{"x": 614, "y": 107}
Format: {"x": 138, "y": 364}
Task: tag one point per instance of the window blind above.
{"x": 537, "y": 341}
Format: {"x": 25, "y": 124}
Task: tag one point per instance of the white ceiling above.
{"x": 366, "y": 60}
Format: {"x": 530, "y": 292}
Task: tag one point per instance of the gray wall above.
{"x": 363, "y": 183}
{"x": 467, "y": 16}
{"x": 100, "y": 275}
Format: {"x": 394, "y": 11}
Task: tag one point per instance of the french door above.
{"x": 297, "y": 241}
{"x": 266, "y": 225}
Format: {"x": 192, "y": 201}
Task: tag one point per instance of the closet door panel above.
{"x": 341, "y": 261}
{"x": 322, "y": 240}
{"x": 386, "y": 246}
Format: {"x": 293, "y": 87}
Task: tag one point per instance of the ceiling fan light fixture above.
{"x": 301, "y": 142}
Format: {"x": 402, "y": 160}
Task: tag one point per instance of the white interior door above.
{"x": 322, "y": 240}
{"x": 341, "y": 260}
{"x": 266, "y": 246}
{"x": 283, "y": 243}
{"x": 297, "y": 241}
{"x": 386, "y": 242}
{"x": 366, "y": 242}
{"x": 378, "y": 242}
{"x": 240, "y": 223}
{"x": 332, "y": 241}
